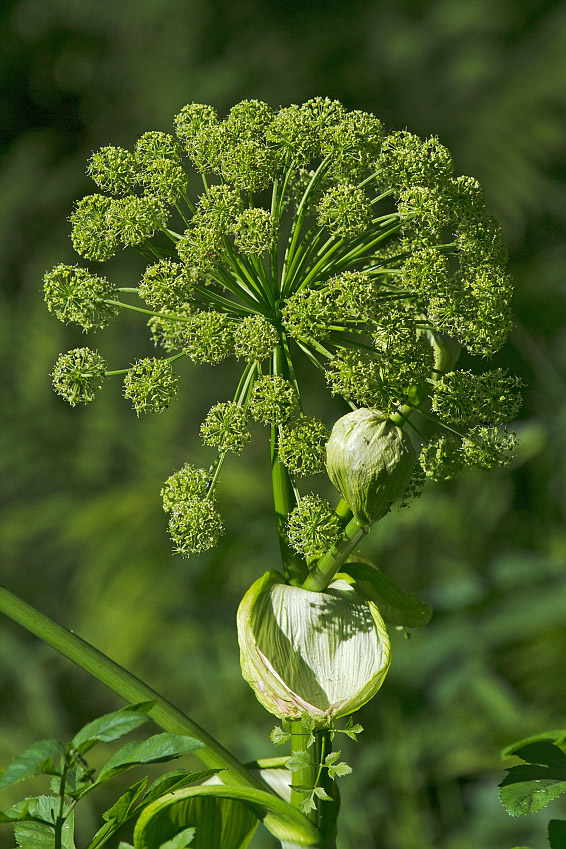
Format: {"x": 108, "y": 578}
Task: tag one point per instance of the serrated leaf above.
{"x": 526, "y": 797}
{"x": 397, "y": 607}
{"x": 122, "y": 806}
{"x": 157, "y": 749}
{"x": 38, "y": 835}
{"x": 533, "y": 772}
{"x": 331, "y": 757}
{"x": 279, "y": 736}
{"x": 322, "y": 794}
{"x": 110, "y": 727}
{"x": 31, "y": 762}
{"x": 181, "y": 840}
{"x": 308, "y": 804}
{"x": 339, "y": 770}
{"x": 298, "y": 761}
{"x": 557, "y": 834}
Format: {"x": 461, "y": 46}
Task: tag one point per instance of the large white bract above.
{"x": 319, "y": 654}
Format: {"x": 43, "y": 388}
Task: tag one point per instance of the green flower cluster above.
{"x": 303, "y": 232}
{"x": 194, "y": 522}
{"x": 313, "y": 527}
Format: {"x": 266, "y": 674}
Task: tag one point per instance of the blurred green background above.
{"x": 82, "y": 533}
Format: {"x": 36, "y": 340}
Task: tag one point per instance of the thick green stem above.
{"x": 322, "y": 574}
{"x": 325, "y": 815}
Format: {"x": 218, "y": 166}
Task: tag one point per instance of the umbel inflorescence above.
{"x": 303, "y": 232}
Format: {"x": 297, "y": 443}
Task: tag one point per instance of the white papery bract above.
{"x": 316, "y": 654}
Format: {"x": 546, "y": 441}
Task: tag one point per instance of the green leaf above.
{"x": 529, "y": 796}
{"x": 352, "y": 730}
{"x": 123, "y": 845}
{"x": 279, "y": 736}
{"x": 181, "y": 840}
{"x": 31, "y": 762}
{"x": 121, "y": 808}
{"x": 557, "y": 834}
{"x": 110, "y": 727}
{"x": 558, "y": 737}
{"x": 214, "y": 822}
{"x": 299, "y": 761}
{"x": 157, "y": 749}
{"x": 397, "y": 607}
{"x": 219, "y": 824}
{"x": 339, "y": 770}
{"x": 331, "y": 757}
{"x": 39, "y": 835}
{"x": 542, "y": 752}
{"x": 322, "y": 794}
{"x": 175, "y": 780}
{"x": 308, "y": 804}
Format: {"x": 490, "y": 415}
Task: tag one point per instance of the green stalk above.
{"x": 322, "y": 574}
{"x": 306, "y": 776}
{"x": 284, "y": 497}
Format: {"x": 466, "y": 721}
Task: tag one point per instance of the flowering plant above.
{"x": 313, "y": 236}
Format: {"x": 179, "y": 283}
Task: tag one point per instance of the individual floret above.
{"x": 78, "y": 375}
{"x": 166, "y": 284}
{"x": 155, "y": 145}
{"x": 195, "y": 525}
{"x": 254, "y": 231}
{"x": 187, "y": 482}
{"x": 150, "y": 384}
{"x": 488, "y": 447}
{"x": 344, "y": 210}
{"x": 313, "y": 527}
{"x": 208, "y": 337}
{"x": 254, "y": 338}
{"x": 273, "y": 400}
{"x": 441, "y": 458}
{"x": 73, "y": 294}
{"x": 226, "y": 427}
{"x": 113, "y": 169}
{"x": 94, "y": 234}
{"x": 302, "y": 445}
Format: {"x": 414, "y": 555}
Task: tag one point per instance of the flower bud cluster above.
{"x": 78, "y": 375}
{"x": 150, "y": 384}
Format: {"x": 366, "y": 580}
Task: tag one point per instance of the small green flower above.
{"x": 113, "y": 169}
{"x": 406, "y": 160}
{"x": 184, "y": 484}
{"x": 208, "y": 337}
{"x": 135, "y": 219}
{"x": 150, "y": 384}
{"x": 488, "y": 447}
{"x": 74, "y": 294}
{"x": 166, "y": 284}
{"x": 254, "y": 231}
{"x": 155, "y": 145}
{"x": 463, "y": 397}
{"x": 78, "y": 375}
{"x": 94, "y": 234}
{"x": 169, "y": 333}
{"x": 272, "y": 400}
{"x": 441, "y": 458}
{"x": 195, "y": 127}
{"x": 226, "y": 427}
{"x": 195, "y": 525}
{"x": 254, "y": 338}
{"x": 165, "y": 180}
{"x": 313, "y": 526}
{"x": 302, "y": 445}
{"x": 344, "y": 210}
